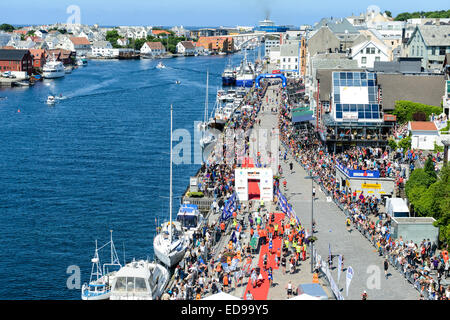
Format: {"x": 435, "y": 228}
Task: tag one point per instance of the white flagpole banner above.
{"x": 349, "y": 278}
{"x": 339, "y": 267}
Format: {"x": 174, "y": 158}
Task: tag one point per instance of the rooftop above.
{"x": 422, "y": 126}
{"x": 12, "y": 55}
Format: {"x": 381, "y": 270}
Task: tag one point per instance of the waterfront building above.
{"x": 217, "y": 44}
{"x": 65, "y": 56}
{"x": 103, "y": 49}
{"x": 80, "y": 45}
{"x": 153, "y": 49}
{"x": 38, "y": 56}
{"x": 16, "y": 60}
{"x": 431, "y": 43}
{"x": 186, "y": 47}
{"x": 270, "y": 42}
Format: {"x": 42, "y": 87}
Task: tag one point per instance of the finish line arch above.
{"x": 269, "y": 76}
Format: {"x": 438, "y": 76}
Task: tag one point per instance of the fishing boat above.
{"x": 228, "y": 75}
{"x": 160, "y": 65}
{"x": 139, "y": 280}
{"x": 245, "y": 77}
{"x": 51, "y": 100}
{"x": 190, "y": 218}
{"x": 170, "y": 244}
{"x": 99, "y": 286}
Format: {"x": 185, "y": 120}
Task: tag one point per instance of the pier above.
{"x": 217, "y": 249}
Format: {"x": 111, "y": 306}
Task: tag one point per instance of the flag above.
{"x": 348, "y": 278}
{"x": 339, "y": 267}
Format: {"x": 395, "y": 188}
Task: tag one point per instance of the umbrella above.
{"x": 221, "y": 296}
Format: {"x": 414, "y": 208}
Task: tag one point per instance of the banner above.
{"x": 339, "y": 267}
{"x": 349, "y": 278}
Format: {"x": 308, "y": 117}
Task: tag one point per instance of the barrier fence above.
{"x": 393, "y": 257}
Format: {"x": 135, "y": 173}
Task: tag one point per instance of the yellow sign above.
{"x": 347, "y": 183}
{"x": 371, "y": 186}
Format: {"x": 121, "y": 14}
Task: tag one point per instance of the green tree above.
{"x": 404, "y": 110}
{"x": 112, "y": 36}
{"x": 388, "y": 13}
{"x": 405, "y": 143}
{"x": 6, "y": 27}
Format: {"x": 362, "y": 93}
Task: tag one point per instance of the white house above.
{"x": 4, "y": 38}
{"x": 122, "y": 42}
{"x": 186, "y": 47}
{"x": 367, "y": 52}
{"x": 270, "y": 43}
{"x": 424, "y": 135}
{"x": 274, "y": 55}
{"x": 81, "y": 45}
{"x": 153, "y": 49}
{"x": 290, "y": 59}
{"x": 103, "y": 49}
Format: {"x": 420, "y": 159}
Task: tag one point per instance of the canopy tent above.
{"x": 313, "y": 289}
{"x": 221, "y": 296}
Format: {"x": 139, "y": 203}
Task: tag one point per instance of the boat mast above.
{"x": 170, "y": 194}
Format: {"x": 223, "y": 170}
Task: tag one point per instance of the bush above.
{"x": 405, "y": 143}
{"x": 195, "y": 194}
{"x": 392, "y": 144}
{"x": 404, "y": 110}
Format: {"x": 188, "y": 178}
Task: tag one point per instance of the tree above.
{"x": 112, "y": 36}
{"x": 7, "y": 27}
{"x": 404, "y": 110}
{"x": 388, "y": 13}
{"x": 405, "y": 143}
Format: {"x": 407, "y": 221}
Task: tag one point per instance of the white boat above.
{"x": 68, "y": 70}
{"x": 99, "y": 286}
{"x": 171, "y": 243}
{"x": 177, "y": 82}
{"x": 51, "y": 100}
{"x": 190, "y": 218}
{"x": 53, "y": 69}
{"x": 160, "y": 65}
{"x": 139, "y": 280}
{"x": 170, "y": 251}
{"x": 245, "y": 77}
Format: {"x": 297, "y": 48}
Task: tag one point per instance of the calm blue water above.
{"x": 96, "y": 161}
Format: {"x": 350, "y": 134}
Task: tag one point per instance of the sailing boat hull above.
{"x": 169, "y": 256}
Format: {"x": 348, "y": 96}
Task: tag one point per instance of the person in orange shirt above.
{"x": 225, "y": 283}
{"x": 251, "y": 232}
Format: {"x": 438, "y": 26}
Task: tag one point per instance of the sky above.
{"x": 197, "y": 12}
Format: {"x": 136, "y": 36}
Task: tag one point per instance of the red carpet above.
{"x": 261, "y": 291}
{"x": 253, "y": 189}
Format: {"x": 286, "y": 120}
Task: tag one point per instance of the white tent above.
{"x": 221, "y": 296}
{"x": 304, "y": 296}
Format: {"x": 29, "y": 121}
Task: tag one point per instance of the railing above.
{"x": 372, "y": 237}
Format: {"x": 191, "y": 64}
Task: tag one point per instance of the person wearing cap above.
{"x": 364, "y": 295}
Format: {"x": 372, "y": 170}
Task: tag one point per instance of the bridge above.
{"x": 240, "y": 40}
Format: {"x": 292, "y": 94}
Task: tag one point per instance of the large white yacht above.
{"x": 53, "y": 69}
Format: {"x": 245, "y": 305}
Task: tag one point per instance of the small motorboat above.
{"x": 177, "y": 82}
{"x": 51, "y": 100}
{"x": 160, "y": 65}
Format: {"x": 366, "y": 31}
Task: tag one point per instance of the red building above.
{"x": 38, "y": 56}
{"x": 16, "y": 60}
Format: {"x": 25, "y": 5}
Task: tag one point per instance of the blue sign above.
{"x": 359, "y": 173}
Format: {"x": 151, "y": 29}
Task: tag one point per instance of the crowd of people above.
{"x": 415, "y": 261}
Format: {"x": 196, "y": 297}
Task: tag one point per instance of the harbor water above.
{"x": 96, "y": 161}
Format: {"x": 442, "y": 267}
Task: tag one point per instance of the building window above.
{"x": 377, "y": 58}
{"x": 368, "y": 50}
{"x": 442, "y": 51}
{"x": 363, "y": 60}
{"x": 372, "y": 50}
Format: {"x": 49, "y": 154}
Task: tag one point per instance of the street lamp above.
{"x": 313, "y": 195}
